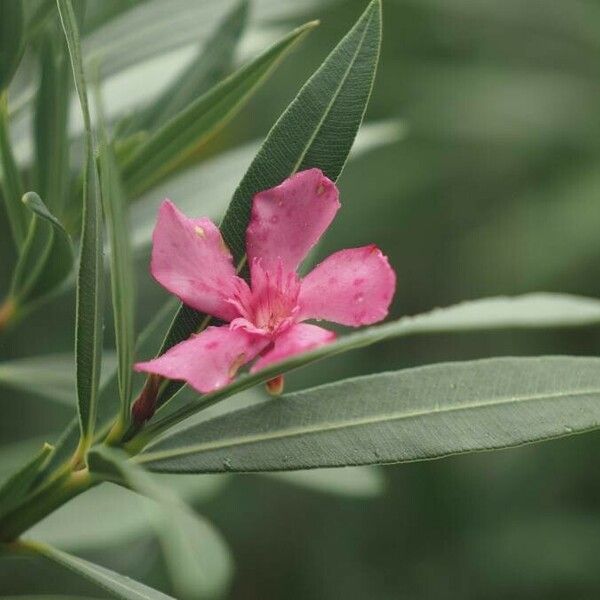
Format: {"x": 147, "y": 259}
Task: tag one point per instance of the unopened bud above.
{"x": 144, "y": 406}
{"x": 275, "y": 385}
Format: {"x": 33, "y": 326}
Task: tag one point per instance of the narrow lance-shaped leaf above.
{"x": 15, "y": 488}
{"x": 414, "y": 414}
{"x": 173, "y": 143}
{"x": 195, "y": 553}
{"x": 108, "y": 405}
{"x": 50, "y": 124}
{"x": 10, "y": 179}
{"x": 217, "y": 178}
{"x": 206, "y": 69}
{"x": 88, "y": 344}
{"x": 46, "y": 235}
{"x": 117, "y": 585}
{"x": 316, "y": 130}
{"x": 528, "y": 311}
{"x": 121, "y": 269}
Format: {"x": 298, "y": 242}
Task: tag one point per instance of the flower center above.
{"x": 270, "y": 305}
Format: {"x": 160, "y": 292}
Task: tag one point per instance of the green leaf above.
{"x": 316, "y": 130}
{"x": 153, "y": 28}
{"x": 88, "y": 344}
{"x": 195, "y": 571}
{"x": 172, "y": 144}
{"x": 147, "y": 341}
{"x": 131, "y": 523}
{"x": 117, "y": 585}
{"x": 12, "y": 25}
{"x": 35, "y": 275}
{"x": 211, "y": 64}
{"x": 50, "y": 125}
{"x": 121, "y": 270}
{"x": 414, "y": 414}
{"x": 12, "y": 186}
{"x": 217, "y": 179}
{"x": 527, "y": 311}
{"x": 15, "y": 488}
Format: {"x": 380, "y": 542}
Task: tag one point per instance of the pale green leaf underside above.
{"x": 117, "y": 585}
{"x": 195, "y": 553}
{"x": 414, "y": 414}
{"x": 210, "y": 64}
{"x": 351, "y": 482}
{"x": 90, "y": 521}
{"x": 538, "y": 310}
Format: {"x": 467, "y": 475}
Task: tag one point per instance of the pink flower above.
{"x": 267, "y": 318}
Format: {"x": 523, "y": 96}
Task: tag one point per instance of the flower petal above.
{"x": 299, "y": 338}
{"x": 190, "y": 260}
{"x": 351, "y": 287}
{"x": 288, "y": 220}
{"x": 209, "y": 360}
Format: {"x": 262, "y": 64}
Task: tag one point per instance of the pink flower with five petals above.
{"x": 265, "y": 319}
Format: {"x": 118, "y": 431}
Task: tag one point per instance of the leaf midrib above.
{"x": 351, "y": 423}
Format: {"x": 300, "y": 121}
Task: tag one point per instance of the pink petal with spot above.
{"x": 351, "y": 287}
{"x": 209, "y": 360}
{"x": 299, "y": 338}
{"x": 190, "y": 260}
{"x": 288, "y": 220}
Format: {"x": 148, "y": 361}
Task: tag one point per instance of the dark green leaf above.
{"x": 121, "y": 269}
{"x": 88, "y": 344}
{"x": 415, "y": 414}
{"x": 15, "y": 488}
{"x": 528, "y": 311}
{"x": 173, "y": 143}
{"x": 316, "y": 130}
{"x": 109, "y": 392}
{"x": 12, "y": 25}
{"x": 211, "y": 64}
{"x": 217, "y": 179}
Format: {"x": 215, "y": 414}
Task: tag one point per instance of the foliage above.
{"x": 93, "y": 188}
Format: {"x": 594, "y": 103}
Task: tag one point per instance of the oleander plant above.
{"x": 180, "y": 305}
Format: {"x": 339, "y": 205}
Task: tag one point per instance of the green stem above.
{"x": 45, "y": 501}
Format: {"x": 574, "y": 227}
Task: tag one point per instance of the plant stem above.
{"x": 45, "y": 501}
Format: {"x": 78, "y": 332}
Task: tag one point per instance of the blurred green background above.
{"x": 492, "y": 188}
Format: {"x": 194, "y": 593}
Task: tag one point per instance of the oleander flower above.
{"x": 265, "y": 319}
